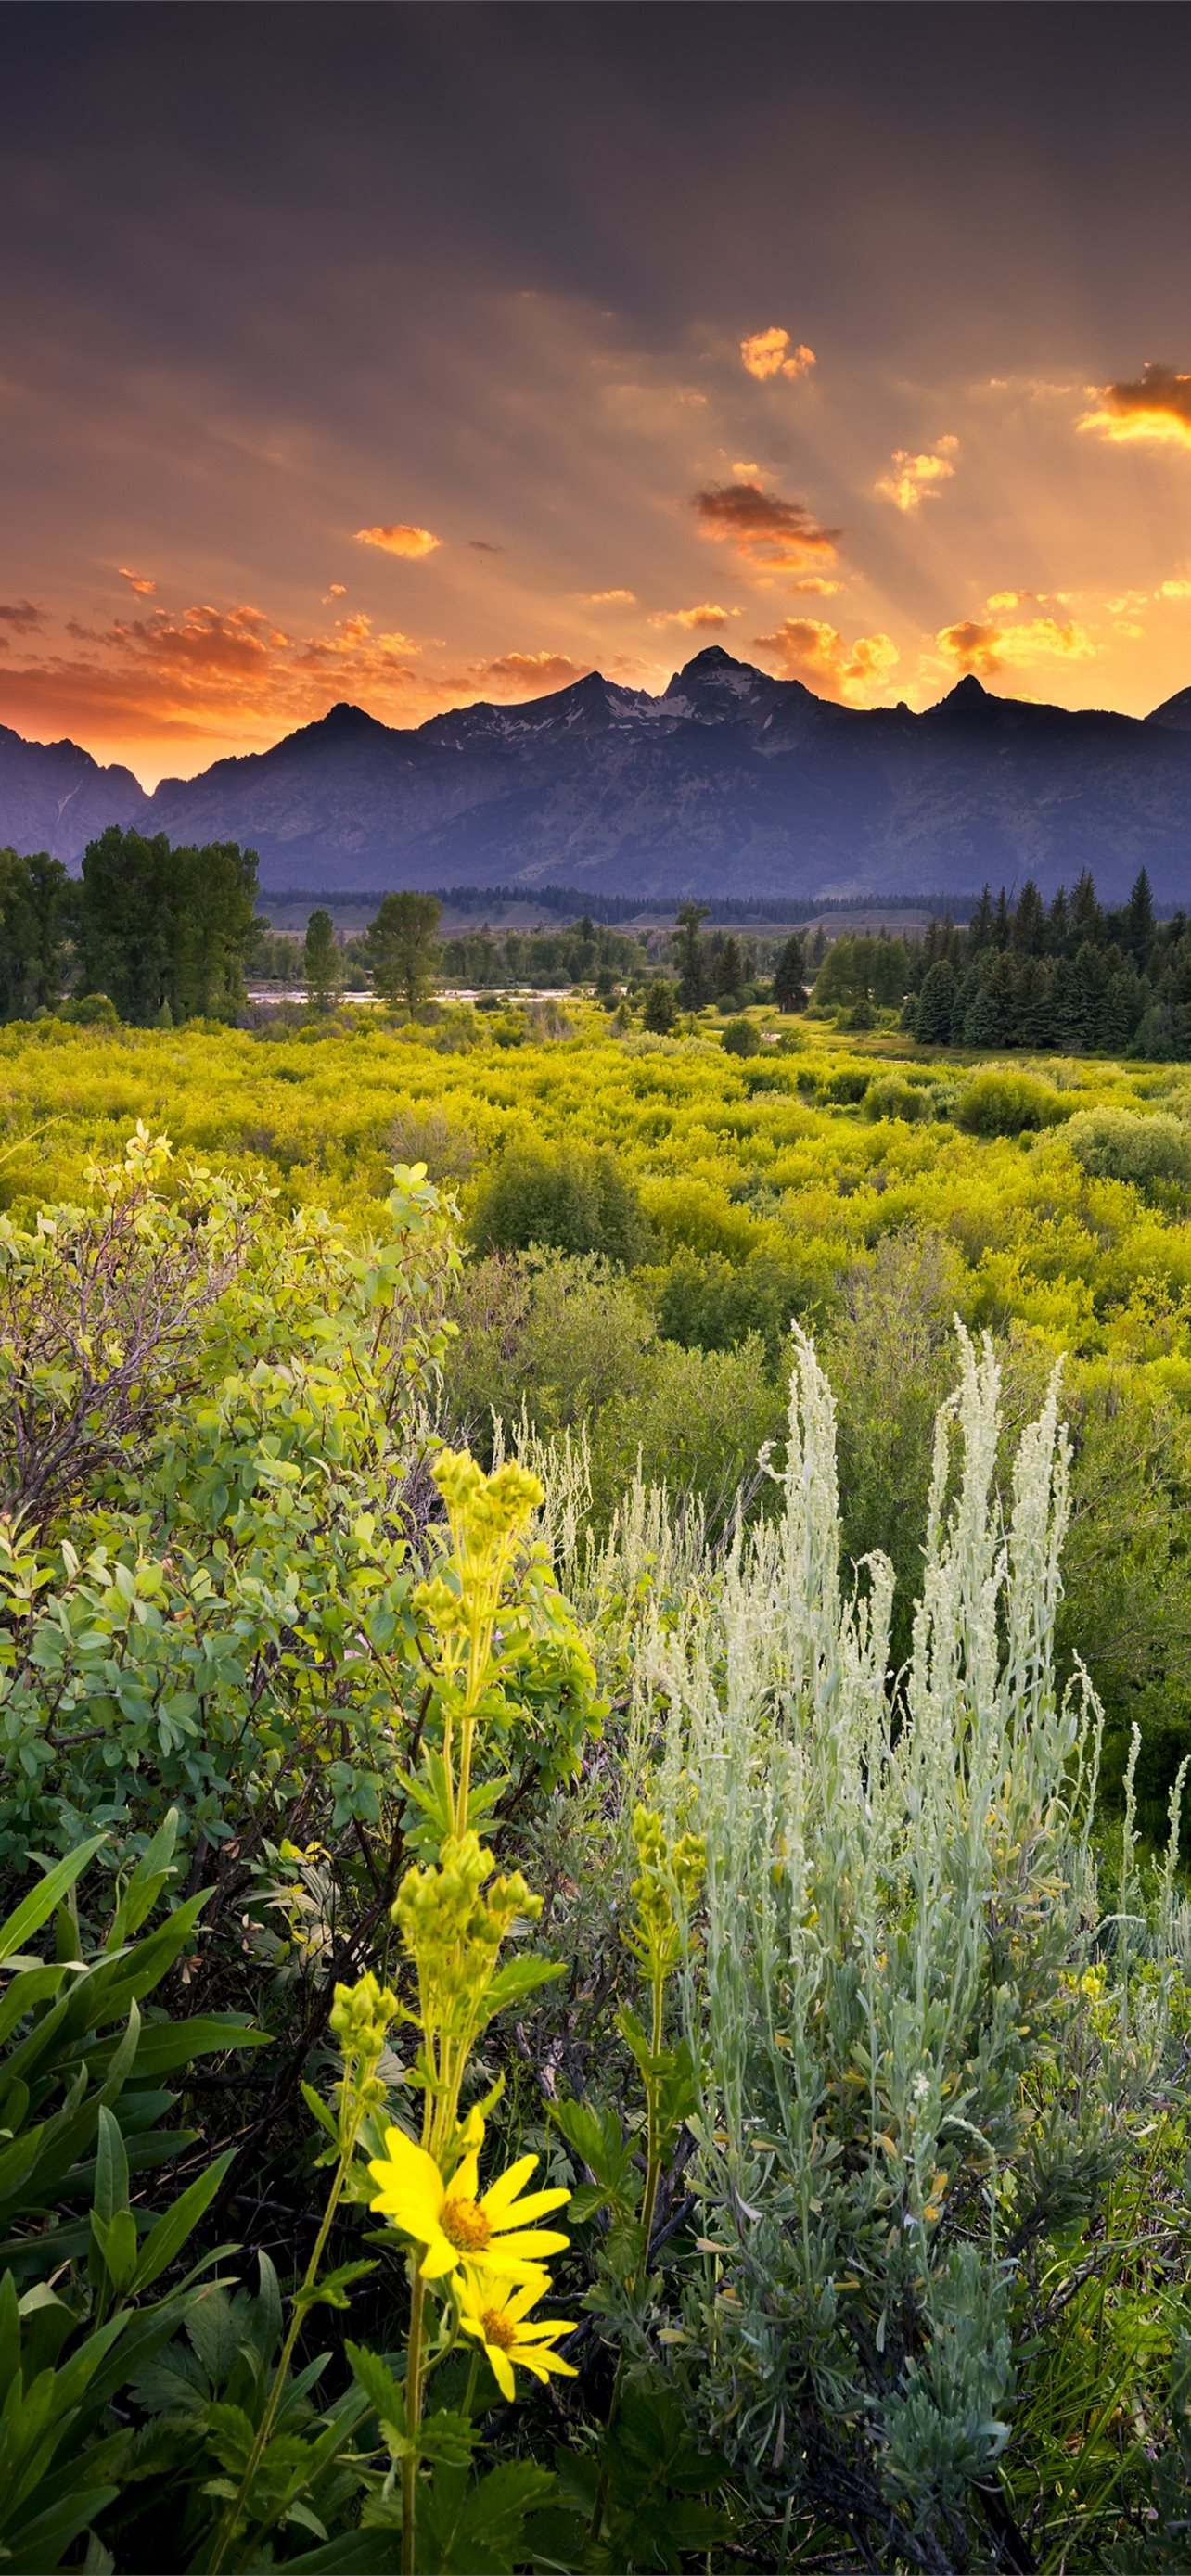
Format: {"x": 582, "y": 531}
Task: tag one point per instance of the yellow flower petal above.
{"x": 507, "y": 2185}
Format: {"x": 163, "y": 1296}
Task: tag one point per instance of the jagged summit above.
{"x": 969, "y": 697}
{"x": 729, "y": 782}
{"x": 1175, "y": 712}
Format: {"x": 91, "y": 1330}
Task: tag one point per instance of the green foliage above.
{"x": 400, "y": 946}
{"x": 889, "y": 1095}
{"x": 659, "y": 1009}
{"x": 90, "y": 2282}
{"x": 36, "y": 916}
{"x": 739, "y": 1037}
{"x": 321, "y": 965}
{"x": 1116, "y": 1145}
{"x": 1000, "y": 1101}
{"x": 580, "y": 1201}
{"x": 165, "y": 925}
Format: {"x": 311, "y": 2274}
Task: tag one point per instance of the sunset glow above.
{"x": 819, "y": 400}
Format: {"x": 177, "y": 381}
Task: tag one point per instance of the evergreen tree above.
{"x": 1058, "y": 927}
{"x": 659, "y": 1010}
{"x": 320, "y": 961}
{"x": 982, "y": 924}
{"x": 789, "y": 974}
{"x": 1087, "y": 919}
{"x": 401, "y": 950}
{"x": 1029, "y": 921}
{"x": 1139, "y": 924}
{"x": 935, "y": 1004}
{"x": 1032, "y": 1023}
{"x": 690, "y": 951}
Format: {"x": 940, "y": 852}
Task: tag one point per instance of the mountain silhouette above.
{"x": 729, "y": 783}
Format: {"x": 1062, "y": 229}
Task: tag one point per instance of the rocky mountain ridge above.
{"x": 729, "y": 782}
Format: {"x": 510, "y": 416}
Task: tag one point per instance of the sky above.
{"x": 414, "y": 355}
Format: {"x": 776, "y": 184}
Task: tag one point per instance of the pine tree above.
{"x": 789, "y": 974}
{"x": 932, "y": 1025}
{"x": 691, "y": 955}
{"x": 982, "y": 924}
{"x": 1139, "y": 922}
{"x": 1029, "y": 921}
{"x": 1087, "y": 919}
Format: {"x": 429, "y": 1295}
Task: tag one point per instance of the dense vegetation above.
{"x": 548, "y": 1693}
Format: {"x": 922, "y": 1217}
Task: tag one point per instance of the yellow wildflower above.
{"x": 498, "y": 2317}
{"x": 457, "y": 2226}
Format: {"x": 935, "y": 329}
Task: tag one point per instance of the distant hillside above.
{"x": 55, "y": 797}
{"x": 730, "y": 783}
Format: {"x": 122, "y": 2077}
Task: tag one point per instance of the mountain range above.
{"x": 729, "y": 783}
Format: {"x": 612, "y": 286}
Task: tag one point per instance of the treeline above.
{"x": 158, "y": 933}
{"x": 1071, "y": 976}
{"x": 580, "y": 954}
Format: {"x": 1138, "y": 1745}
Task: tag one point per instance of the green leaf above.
{"x": 167, "y": 2237}
{"x": 331, "y": 2290}
{"x": 117, "y": 2242}
{"x": 37, "y": 1907}
{"x": 517, "y": 1978}
{"x": 384, "y": 2394}
{"x": 111, "y": 2168}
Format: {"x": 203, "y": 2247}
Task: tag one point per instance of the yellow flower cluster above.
{"x": 667, "y": 1886}
{"x": 487, "y": 2248}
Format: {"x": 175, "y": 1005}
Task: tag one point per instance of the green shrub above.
{"x": 695, "y": 1421}
{"x": 552, "y": 1335}
{"x": 846, "y": 1085}
{"x": 1118, "y": 1145}
{"x": 91, "y": 1011}
{"x": 891, "y": 1096}
{"x": 739, "y": 1037}
{"x": 568, "y": 1201}
{"x": 1001, "y": 1101}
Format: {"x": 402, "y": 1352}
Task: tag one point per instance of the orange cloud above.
{"x": 1156, "y": 406}
{"x": 338, "y": 590}
{"x": 21, "y": 614}
{"x": 977, "y": 644}
{"x": 702, "y": 619}
{"x": 611, "y": 598}
{"x": 138, "y": 581}
{"x": 769, "y": 353}
{"x": 807, "y": 649}
{"x": 747, "y": 470}
{"x": 772, "y": 534}
{"x": 1165, "y": 590}
{"x": 218, "y": 678}
{"x": 912, "y": 480}
{"x": 399, "y": 540}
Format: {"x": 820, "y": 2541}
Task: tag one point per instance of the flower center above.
{"x": 499, "y": 2329}
{"x": 464, "y": 2225}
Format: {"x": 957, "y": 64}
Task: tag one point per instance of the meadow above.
{"x": 603, "y": 1978}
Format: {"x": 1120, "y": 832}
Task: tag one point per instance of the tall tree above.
{"x": 1139, "y": 921}
{"x": 789, "y": 974}
{"x": 35, "y": 911}
{"x": 158, "y": 924}
{"x": 320, "y": 961}
{"x": 690, "y": 953}
{"x": 402, "y": 950}
{"x": 1029, "y": 921}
